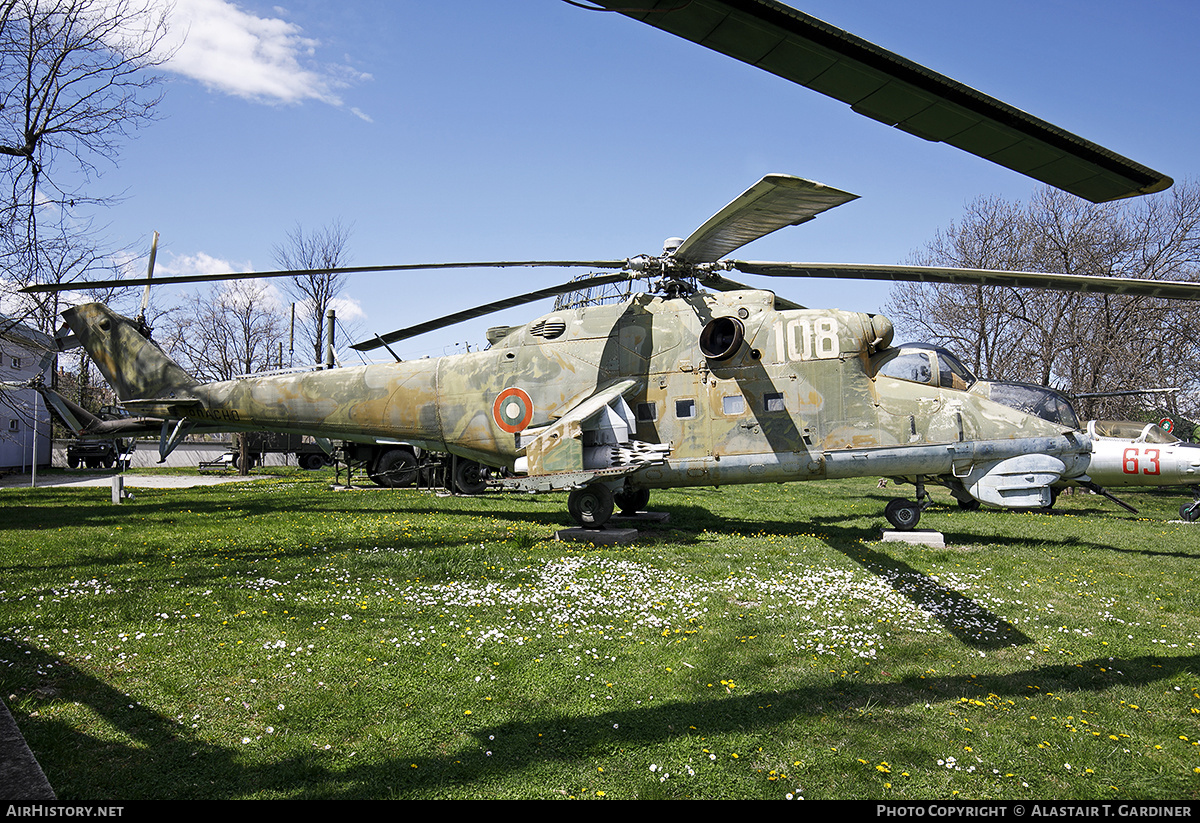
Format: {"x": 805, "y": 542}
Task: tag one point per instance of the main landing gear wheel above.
{"x": 903, "y": 514}
{"x": 591, "y": 506}
{"x": 395, "y": 469}
{"x": 470, "y": 477}
{"x": 631, "y": 501}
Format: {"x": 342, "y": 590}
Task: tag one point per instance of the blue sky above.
{"x": 450, "y": 130}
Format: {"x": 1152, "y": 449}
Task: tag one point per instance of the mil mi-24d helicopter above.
{"x": 699, "y": 380}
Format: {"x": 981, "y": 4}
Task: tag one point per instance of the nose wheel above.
{"x": 1190, "y": 512}
{"x": 904, "y": 514}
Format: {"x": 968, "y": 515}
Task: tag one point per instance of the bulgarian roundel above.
{"x": 512, "y": 410}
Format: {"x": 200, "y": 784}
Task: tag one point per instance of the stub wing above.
{"x": 593, "y": 439}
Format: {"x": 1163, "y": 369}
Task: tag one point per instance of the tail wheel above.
{"x": 395, "y": 469}
{"x": 591, "y": 506}
{"x": 903, "y": 514}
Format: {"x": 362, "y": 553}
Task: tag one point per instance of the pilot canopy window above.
{"x": 911, "y": 366}
{"x": 927, "y": 365}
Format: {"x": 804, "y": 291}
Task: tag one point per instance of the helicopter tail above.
{"x": 133, "y": 364}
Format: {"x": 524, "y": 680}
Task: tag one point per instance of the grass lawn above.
{"x": 279, "y": 639}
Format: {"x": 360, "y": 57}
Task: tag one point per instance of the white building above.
{"x": 24, "y": 419}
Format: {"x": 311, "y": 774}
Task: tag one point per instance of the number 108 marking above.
{"x": 807, "y": 340}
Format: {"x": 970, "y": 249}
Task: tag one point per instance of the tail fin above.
{"x": 133, "y": 364}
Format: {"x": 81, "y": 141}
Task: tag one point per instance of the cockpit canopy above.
{"x": 1131, "y": 430}
{"x": 934, "y": 366}
{"x": 924, "y": 364}
{"x": 1040, "y": 401}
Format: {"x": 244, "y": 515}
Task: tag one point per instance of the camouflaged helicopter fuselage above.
{"x": 795, "y": 401}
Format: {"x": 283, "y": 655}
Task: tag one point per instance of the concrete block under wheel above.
{"x": 599, "y": 537}
{"x": 916, "y": 537}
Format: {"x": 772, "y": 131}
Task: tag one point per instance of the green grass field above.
{"x": 283, "y": 640}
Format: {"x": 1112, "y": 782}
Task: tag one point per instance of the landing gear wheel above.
{"x": 1053, "y": 499}
{"x": 312, "y": 462}
{"x": 631, "y": 501}
{"x": 1190, "y": 512}
{"x": 591, "y": 506}
{"x": 395, "y": 469}
{"x": 470, "y": 477}
{"x": 903, "y": 514}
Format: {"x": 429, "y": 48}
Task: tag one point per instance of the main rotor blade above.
{"x": 254, "y": 275}
{"x": 897, "y": 92}
{"x": 1169, "y": 289}
{"x": 489, "y": 308}
{"x": 776, "y": 201}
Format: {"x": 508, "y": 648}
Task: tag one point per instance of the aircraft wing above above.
{"x": 898, "y": 92}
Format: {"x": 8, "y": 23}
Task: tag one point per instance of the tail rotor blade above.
{"x": 149, "y": 276}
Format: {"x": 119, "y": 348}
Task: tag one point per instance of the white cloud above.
{"x": 348, "y": 309}
{"x": 263, "y": 59}
{"x": 198, "y": 263}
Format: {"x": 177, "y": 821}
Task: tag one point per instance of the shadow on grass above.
{"x": 961, "y": 616}
{"x": 153, "y": 756}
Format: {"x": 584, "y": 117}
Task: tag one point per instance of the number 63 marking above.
{"x": 1129, "y": 461}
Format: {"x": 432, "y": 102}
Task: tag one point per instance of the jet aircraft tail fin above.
{"x": 133, "y": 364}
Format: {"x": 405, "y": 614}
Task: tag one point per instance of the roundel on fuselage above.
{"x": 512, "y": 410}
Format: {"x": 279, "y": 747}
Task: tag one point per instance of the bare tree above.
{"x": 974, "y": 321}
{"x": 75, "y": 81}
{"x": 1080, "y": 343}
{"x": 233, "y": 329}
{"x": 317, "y": 252}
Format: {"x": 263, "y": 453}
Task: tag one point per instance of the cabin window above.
{"x": 16, "y": 362}
{"x": 685, "y": 409}
{"x": 14, "y": 425}
{"x": 773, "y": 402}
{"x": 647, "y": 412}
{"x": 952, "y": 374}
{"x": 911, "y": 366}
{"x": 733, "y": 404}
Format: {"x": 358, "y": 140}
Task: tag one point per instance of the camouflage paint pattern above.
{"x": 794, "y": 399}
